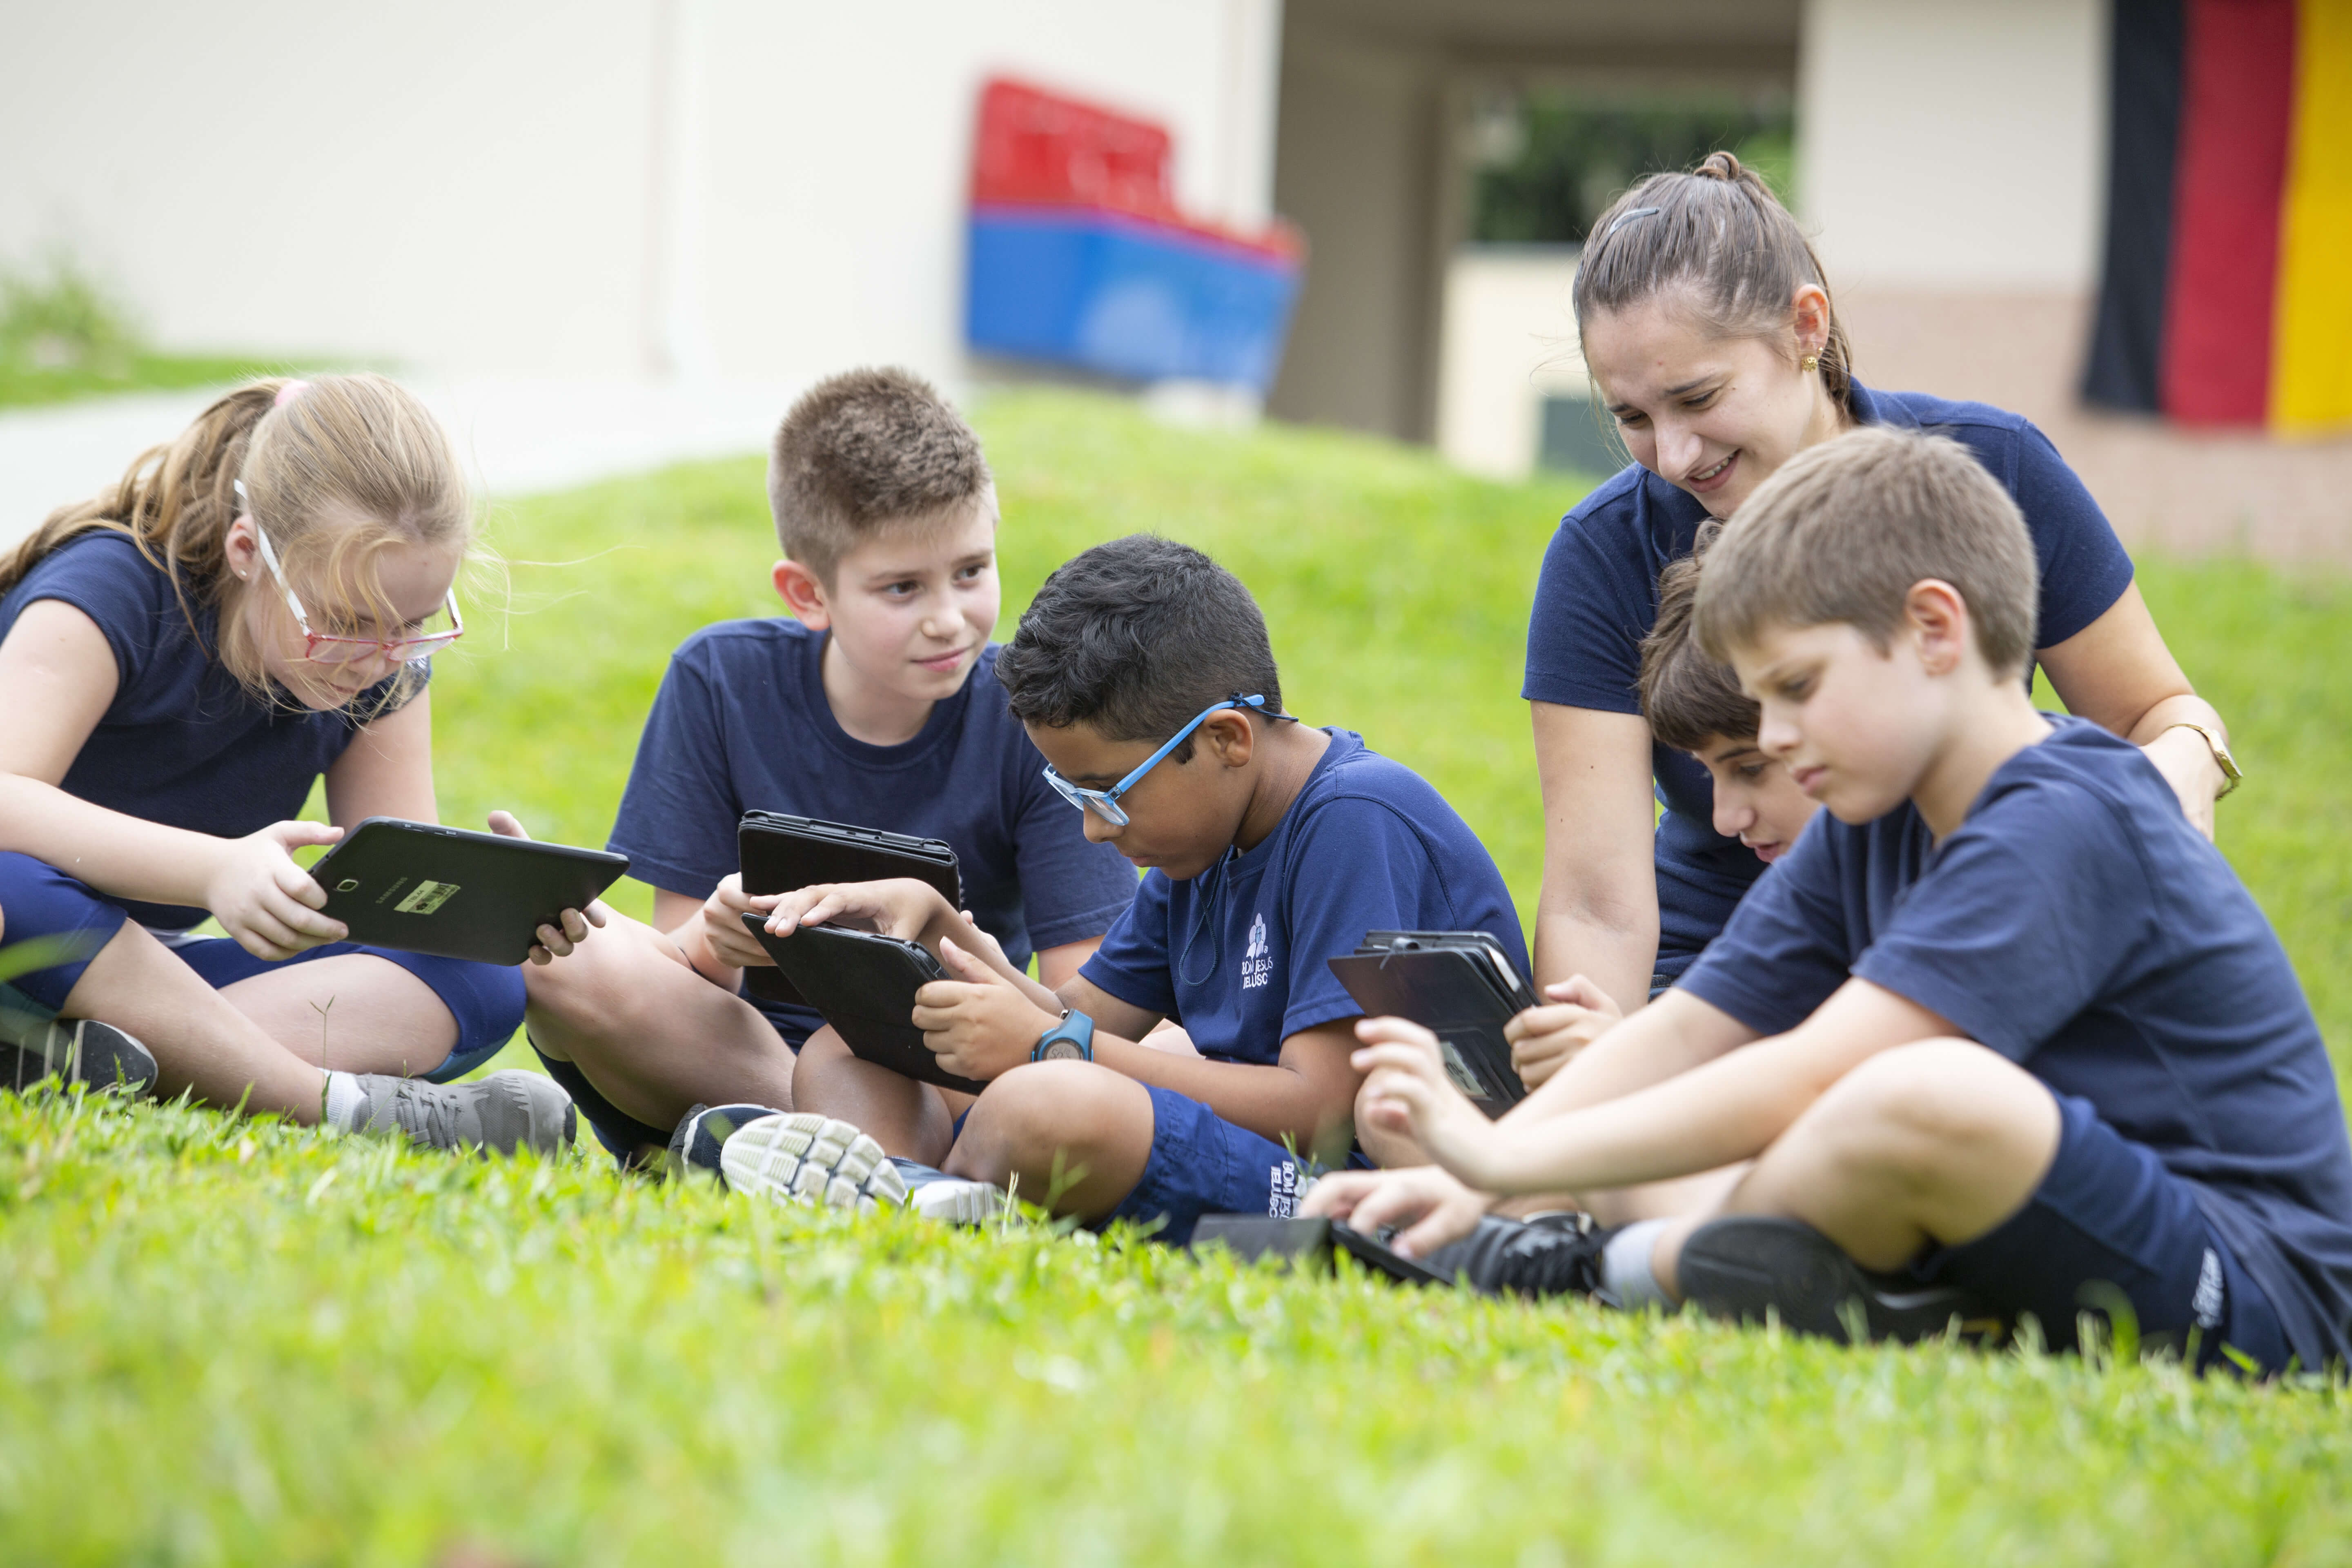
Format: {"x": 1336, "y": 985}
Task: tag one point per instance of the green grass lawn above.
{"x": 225, "y": 1341}
{"x": 26, "y": 385}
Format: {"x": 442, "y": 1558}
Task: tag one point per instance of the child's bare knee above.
{"x": 1907, "y": 1113}
{"x": 1036, "y": 1111}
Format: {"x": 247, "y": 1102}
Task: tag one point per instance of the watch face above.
{"x": 1064, "y": 1051}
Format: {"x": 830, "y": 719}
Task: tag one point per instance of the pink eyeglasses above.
{"x": 320, "y": 648}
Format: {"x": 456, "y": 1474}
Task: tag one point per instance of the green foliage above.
{"x": 230, "y": 1342}
{"x": 1553, "y": 160}
{"x": 63, "y": 336}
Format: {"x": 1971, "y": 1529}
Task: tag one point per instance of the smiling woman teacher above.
{"x": 1706, "y": 326}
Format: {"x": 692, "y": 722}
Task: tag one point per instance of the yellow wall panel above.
{"x": 2311, "y": 362}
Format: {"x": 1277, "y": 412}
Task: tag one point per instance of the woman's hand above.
{"x": 1427, "y": 1207}
{"x": 570, "y": 928}
{"x": 265, "y": 902}
{"x": 979, "y": 1023}
{"x": 1546, "y": 1039}
{"x": 2186, "y": 763}
{"x": 1406, "y": 1090}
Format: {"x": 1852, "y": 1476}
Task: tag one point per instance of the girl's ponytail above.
{"x": 176, "y": 501}
{"x": 1720, "y": 232}
{"x": 335, "y": 467}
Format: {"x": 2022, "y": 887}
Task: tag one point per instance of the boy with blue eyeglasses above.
{"x": 1143, "y": 673}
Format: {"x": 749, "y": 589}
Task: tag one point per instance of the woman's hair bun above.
{"x": 1721, "y": 166}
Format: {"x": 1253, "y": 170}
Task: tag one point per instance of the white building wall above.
{"x": 594, "y": 187}
{"x": 1508, "y": 344}
{"x": 1944, "y": 145}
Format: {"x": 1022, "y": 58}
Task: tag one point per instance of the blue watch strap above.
{"x": 1076, "y": 1028}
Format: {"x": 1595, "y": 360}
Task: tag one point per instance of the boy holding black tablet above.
{"x": 875, "y": 703}
{"x": 2002, "y": 1035}
{"x": 1143, "y": 672}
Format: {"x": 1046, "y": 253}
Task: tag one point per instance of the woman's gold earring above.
{"x": 1810, "y": 362}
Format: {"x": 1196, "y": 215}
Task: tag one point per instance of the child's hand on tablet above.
{"x": 571, "y": 927}
{"x": 979, "y": 1023}
{"x": 900, "y": 907}
{"x": 723, "y": 931}
{"x": 1407, "y": 1090}
{"x": 1546, "y": 1039}
{"x": 268, "y": 903}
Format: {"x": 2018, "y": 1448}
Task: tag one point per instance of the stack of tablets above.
{"x": 1460, "y": 985}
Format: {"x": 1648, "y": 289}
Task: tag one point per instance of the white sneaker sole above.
{"x": 956, "y": 1202}
{"x": 811, "y": 1159}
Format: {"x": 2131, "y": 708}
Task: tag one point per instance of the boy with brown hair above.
{"x": 2048, "y": 1059}
{"x": 1693, "y": 703}
{"x": 875, "y": 703}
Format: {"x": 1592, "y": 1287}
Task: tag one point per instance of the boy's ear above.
{"x": 1939, "y": 619}
{"x": 802, "y": 594}
{"x": 1229, "y": 737}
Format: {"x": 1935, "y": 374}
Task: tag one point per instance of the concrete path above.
{"x": 518, "y": 436}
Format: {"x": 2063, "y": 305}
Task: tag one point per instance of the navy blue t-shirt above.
{"x": 2077, "y": 924}
{"x": 183, "y": 743}
{"x": 741, "y": 724}
{"x": 1598, "y": 598}
{"x": 1237, "y": 954}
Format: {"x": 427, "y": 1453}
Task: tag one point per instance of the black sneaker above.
{"x": 1748, "y": 1268}
{"x": 74, "y": 1050}
{"x": 705, "y": 1130}
{"x": 1548, "y": 1255}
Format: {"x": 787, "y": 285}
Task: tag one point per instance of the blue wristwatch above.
{"x": 1071, "y": 1040}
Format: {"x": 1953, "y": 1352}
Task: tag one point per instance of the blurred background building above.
{"x": 698, "y": 194}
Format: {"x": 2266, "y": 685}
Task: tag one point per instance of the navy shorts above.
{"x": 1201, "y": 1164}
{"x": 37, "y": 899}
{"x": 2110, "y": 1230}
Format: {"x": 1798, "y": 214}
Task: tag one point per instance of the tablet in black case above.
{"x": 1460, "y": 985}
{"x": 1308, "y": 1244}
{"x": 421, "y": 887}
{"x": 778, "y": 853}
{"x": 864, "y": 984}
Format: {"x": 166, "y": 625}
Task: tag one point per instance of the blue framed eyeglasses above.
{"x": 1104, "y": 803}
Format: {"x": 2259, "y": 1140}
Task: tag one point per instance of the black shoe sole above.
{"x": 1754, "y": 1270}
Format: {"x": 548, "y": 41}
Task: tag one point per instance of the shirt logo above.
{"x": 1258, "y": 967}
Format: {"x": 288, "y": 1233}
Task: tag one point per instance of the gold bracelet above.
{"x": 2231, "y": 775}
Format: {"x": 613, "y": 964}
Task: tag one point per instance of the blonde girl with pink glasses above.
{"x": 252, "y": 608}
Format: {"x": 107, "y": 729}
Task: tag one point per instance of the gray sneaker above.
{"x": 958, "y": 1200}
{"x": 811, "y": 1159}
{"x": 503, "y": 1113}
{"x": 76, "y": 1050}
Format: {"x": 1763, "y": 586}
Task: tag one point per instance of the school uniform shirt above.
{"x": 741, "y": 723}
{"x": 2077, "y": 924}
{"x": 183, "y": 743}
{"x": 1237, "y": 954}
{"x": 1598, "y": 598}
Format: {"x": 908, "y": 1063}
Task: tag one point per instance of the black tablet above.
{"x": 421, "y": 887}
{"x": 1460, "y": 986}
{"x": 778, "y": 854}
{"x": 864, "y": 984}
{"x": 1309, "y": 1243}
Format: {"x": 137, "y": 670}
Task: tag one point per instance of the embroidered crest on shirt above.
{"x": 1258, "y": 967}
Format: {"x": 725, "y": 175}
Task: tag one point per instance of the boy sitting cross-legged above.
{"x": 1143, "y": 673}
{"x": 2050, "y": 1059}
{"x": 875, "y": 703}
